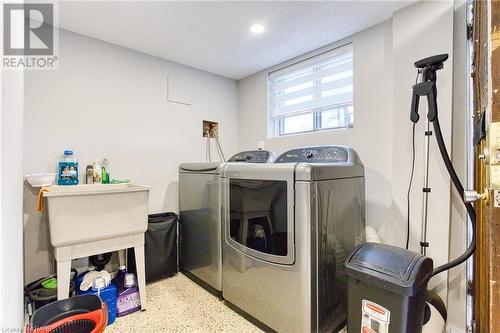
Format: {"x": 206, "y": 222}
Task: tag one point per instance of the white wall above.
{"x": 419, "y": 31}
{"x": 109, "y": 101}
{"x": 371, "y": 135}
{"x": 458, "y": 224}
{"x": 11, "y": 209}
{"x": 11, "y": 180}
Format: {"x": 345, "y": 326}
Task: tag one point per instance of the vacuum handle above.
{"x": 414, "y": 117}
{"x": 427, "y": 89}
{"x": 432, "y": 103}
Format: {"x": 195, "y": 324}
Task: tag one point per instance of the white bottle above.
{"x": 97, "y": 173}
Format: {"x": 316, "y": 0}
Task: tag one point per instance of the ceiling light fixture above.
{"x": 257, "y": 28}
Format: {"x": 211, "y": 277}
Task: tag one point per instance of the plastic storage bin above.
{"x": 160, "y": 247}
{"x": 387, "y": 286}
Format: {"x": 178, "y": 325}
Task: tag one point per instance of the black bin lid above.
{"x": 390, "y": 268}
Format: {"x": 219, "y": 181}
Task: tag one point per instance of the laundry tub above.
{"x": 86, "y": 220}
{"x": 84, "y": 213}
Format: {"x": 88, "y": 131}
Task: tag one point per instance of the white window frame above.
{"x": 276, "y": 122}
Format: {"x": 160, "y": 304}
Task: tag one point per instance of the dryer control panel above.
{"x": 321, "y": 154}
{"x": 254, "y": 156}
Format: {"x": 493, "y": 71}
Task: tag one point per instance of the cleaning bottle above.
{"x": 107, "y": 292}
{"x": 89, "y": 174}
{"x": 68, "y": 169}
{"x": 119, "y": 279}
{"x": 128, "y": 300}
{"x": 97, "y": 173}
{"x": 105, "y": 171}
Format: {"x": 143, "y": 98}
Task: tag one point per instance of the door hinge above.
{"x": 470, "y": 31}
{"x": 472, "y": 328}
{"x": 470, "y": 287}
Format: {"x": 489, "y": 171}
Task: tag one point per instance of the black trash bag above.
{"x": 160, "y": 247}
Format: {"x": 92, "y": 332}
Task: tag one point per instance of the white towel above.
{"x": 372, "y": 235}
{"x": 91, "y": 276}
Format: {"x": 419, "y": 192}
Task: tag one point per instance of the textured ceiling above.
{"x": 215, "y": 36}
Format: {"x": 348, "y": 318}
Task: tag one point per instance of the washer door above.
{"x": 258, "y": 211}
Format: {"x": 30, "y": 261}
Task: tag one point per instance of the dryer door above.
{"x": 259, "y": 211}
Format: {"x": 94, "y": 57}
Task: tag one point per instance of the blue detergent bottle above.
{"x": 67, "y": 172}
{"x": 107, "y": 292}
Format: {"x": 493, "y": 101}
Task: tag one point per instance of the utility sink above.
{"x": 87, "y": 213}
{"x": 86, "y": 220}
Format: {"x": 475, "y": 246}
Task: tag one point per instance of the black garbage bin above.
{"x": 160, "y": 247}
{"x": 386, "y": 289}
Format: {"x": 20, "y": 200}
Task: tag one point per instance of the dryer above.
{"x": 200, "y": 219}
{"x": 288, "y": 227}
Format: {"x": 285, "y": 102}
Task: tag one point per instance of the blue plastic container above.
{"x": 108, "y": 296}
{"x": 67, "y": 173}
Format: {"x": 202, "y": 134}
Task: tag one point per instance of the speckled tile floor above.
{"x": 177, "y": 304}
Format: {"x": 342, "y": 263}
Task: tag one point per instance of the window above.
{"x": 312, "y": 95}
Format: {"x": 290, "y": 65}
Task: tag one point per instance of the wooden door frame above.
{"x": 486, "y": 81}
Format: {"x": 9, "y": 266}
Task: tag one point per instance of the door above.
{"x": 259, "y": 211}
{"x": 486, "y": 81}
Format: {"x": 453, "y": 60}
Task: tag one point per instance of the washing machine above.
{"x": 288, "y": 227}
{"x": 200, "y": 229}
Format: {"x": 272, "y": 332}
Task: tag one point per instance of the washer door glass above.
{"x": 259, "y": 216}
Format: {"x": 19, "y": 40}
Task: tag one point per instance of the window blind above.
{"x": 316, "y": 83}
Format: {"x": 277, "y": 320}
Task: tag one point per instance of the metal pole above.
{"x": 426, "y": 190}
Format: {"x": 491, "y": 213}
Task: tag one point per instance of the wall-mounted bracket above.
{"x": 471, "y": 196}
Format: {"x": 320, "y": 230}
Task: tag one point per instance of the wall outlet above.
{"x": 210, "y": 129}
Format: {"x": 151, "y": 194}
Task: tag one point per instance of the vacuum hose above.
{"x": 460, "y": 190}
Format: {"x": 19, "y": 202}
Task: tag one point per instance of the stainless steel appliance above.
{"x": 200, "y": 218}
{"x": 288, "y": 227}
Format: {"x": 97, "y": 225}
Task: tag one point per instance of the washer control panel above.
{"x": 253, "y": 156}
{"x": 323, "y": 154}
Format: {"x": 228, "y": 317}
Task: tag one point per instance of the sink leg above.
{"x": 63, "y": 279}
{"x": 122, "y": 257}
{"x": 141, "y": 273}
